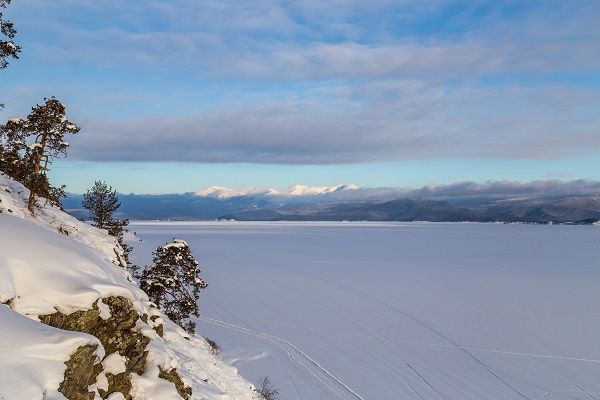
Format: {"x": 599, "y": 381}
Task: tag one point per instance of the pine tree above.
{"x": 173, "y": 283}
{"x": 102, "y": 203}
{"x": 13, "y": 149}
{"x": 10, "y": 145}
{"x": 28, "y": 147}
{"x": 8, "y": 48}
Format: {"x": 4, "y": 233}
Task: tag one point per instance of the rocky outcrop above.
{"x": 115, "y": 323}
{"x": 117, "y": 333}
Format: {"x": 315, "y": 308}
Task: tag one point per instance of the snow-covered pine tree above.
{"x": 8, "y": 48}
{"x": 29, "y": 146}
{"x": 173, "y": 283}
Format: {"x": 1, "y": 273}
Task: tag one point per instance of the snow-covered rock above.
{"x": 58, "y": 270}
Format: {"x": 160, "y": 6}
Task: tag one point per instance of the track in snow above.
{"x": 452, "y": 344}
{"x": 307, "y": 363}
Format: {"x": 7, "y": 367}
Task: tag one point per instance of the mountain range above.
{"x": 294, "y": 190}
{"x": 535, "y": 202}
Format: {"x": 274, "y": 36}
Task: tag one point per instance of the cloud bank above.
{"x": 375, "y": 122}
{"x": 307, "y": 82}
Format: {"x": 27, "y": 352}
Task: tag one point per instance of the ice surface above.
{"x": 391, "y": 311}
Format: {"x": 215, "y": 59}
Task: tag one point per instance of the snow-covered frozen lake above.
{"x": 389, "y": 311}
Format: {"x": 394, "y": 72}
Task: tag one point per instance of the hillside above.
{"x": 76, "y": 326}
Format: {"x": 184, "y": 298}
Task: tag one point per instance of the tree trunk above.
{"x": 36, "y": 172}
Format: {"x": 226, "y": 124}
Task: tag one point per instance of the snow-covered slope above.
{"x": 56, "y": 268}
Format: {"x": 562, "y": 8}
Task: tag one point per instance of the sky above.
{"x": 179, "y": 95}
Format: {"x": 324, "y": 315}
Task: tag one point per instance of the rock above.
{"x": 82, "y": 369}
{"x": 117, "y": 334}
{"x": 171, "y": 375}
{"x": 117, "y": 383}
{"x": 158, "y": 328}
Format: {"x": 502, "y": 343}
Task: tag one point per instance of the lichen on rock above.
{"x": 120, "y": 383}
{"x": 118, "y": 334}
{"x": 82, "y": 369}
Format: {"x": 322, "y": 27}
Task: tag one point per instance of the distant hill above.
{"x": 537, "y": 202}
{"x": 544, "y": 210}
{"x": 538, "y": 211}
{"x": 395, "y": 210}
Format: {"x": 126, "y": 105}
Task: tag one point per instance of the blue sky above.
{"x": 174, "y": 96}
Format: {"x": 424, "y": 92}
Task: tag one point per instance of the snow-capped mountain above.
{"x": 301, "y": 190}
{"x": 294, "y": 190}
{"x": 226, "y": 193}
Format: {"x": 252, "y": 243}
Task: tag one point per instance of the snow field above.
{"x": 401, "y": 310}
